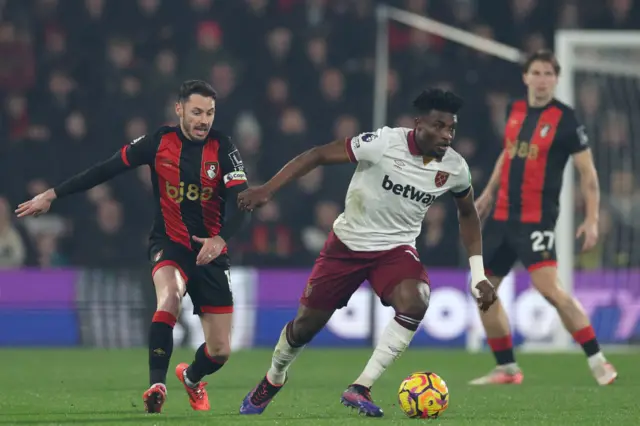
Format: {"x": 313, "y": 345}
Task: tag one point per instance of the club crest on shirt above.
{"x": 441, "y": 178}
{"x": 544, "y": 131}
{"x": 211, "y": 169}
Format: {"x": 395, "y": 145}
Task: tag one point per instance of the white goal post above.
{"x": 574, "y": 50}
{"x": 565, "y": 47}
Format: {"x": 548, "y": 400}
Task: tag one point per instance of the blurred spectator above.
{"x": 313, "y": 237}
{"x": 17, "y": 68}
{"x": 271, "y": 242}
{"x": 209, "y": 51}
{"x": 13, "y": 251}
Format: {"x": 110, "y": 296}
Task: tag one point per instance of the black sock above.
{"x": 586, "y": 337}
{"x": 502, "y": 348}
{"x": 204, "y": 364}
{"x": 160, "y": 346}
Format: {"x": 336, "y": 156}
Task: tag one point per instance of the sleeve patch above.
{"x": 234, "y": 178}
{"x": 368, "y": 137}
{"x": 236, "y": 160}
{"x": 582, "y": 136}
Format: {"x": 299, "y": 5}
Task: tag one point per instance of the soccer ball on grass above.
{"x": 423, "y": 395}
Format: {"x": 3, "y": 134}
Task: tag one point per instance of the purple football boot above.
{"x": 359, "y": 397}
{"x": 257, "y": 400}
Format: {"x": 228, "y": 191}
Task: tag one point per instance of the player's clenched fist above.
{"x": 38, "y": 205}
{"x": 487, "y": 295}
{"x": 252, "y": 198}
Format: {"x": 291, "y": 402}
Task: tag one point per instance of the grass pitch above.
{"x": 94, "y": 387}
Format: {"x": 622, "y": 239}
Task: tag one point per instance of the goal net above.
{"x": 601, "y": 79}
{"x": 608, "y": 72}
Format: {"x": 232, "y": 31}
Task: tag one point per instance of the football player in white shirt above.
{"x": 400, "y": 173}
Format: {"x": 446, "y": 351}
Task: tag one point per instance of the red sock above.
{"x": 586, "y": 337}
{"x": 502, "y": 348}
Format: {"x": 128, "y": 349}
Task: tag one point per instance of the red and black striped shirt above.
{"x": 537, "y": 145}
{"x": 192, "y": 182}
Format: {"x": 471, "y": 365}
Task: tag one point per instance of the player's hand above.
{"x": 588, "y": 230}
{"x": 487, "y": 296}
{"x": 484, "y": 204}
{"x": 211, "y": 249}
{"x": 252, "y": 198}
{"x": 38, "y": 205}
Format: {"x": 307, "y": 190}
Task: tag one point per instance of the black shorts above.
{"x": 504, "y": 243}
{"x": 207, "y": 285}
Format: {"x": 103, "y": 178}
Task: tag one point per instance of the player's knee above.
{"x": 218, "y": 352}
{"x": 411, "y": 298}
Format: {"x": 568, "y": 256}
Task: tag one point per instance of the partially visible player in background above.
{"x": 541, "y": 135}
{"x": 400, "y": 173}
{"x": 196, "y": 174}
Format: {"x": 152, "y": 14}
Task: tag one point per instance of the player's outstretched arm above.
{"x": 471, "y": 234}
{"x": 83, "y": 181}
{"x": 131, "y": 155}
{"x": 331, "y": 153}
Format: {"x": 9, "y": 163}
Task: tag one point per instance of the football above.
{"x": 423, "y": 395}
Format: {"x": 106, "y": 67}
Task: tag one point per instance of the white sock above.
{"x": 283, "y": 355}
{"x": 596, "y": 359}
{"x": 512, "y": 367}
{"x": 160, "y": 384}
{"x": 394, "y": 341}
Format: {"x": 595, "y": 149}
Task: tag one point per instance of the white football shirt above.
{"x": 392, "y": 189}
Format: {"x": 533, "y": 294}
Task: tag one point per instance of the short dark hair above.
{"x": 542, "y": 55}
{"x": 438, "y": 99}
{"x": 196, "y": 87}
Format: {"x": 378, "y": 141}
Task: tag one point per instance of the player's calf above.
{"x": 206, "y": 361}
{"x": 160, "y": 346}
{"x": 294, "y": 336}
{"x": 169, "y": 286}
{"x": 576, "y": 321}
{"x": 496, "y": 326}
{"x": 410, "y": 299}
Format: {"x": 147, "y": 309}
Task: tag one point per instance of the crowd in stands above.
{"x": 80, "y": 78}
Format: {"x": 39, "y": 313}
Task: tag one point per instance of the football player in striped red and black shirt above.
{"x": 196, "y": 174}
{"x": 541, "y": 135}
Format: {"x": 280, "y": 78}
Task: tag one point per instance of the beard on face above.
{"x": 196, "y": 132}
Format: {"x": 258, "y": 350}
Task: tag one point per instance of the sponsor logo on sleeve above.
{"x": 236, "y": 176}
{"x": 368, "y": 137}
